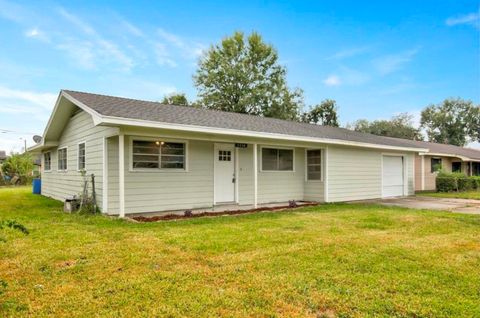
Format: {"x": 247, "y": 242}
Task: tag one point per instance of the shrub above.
{"x": 18, "y": 168}
{"x": 446, "y": 184}
{"x": 476, "y": 182}
{"x": 464, "y": 183}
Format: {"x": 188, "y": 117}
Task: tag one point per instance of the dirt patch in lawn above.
{"x": 168, "y": 217}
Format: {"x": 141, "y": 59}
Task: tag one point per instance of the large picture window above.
{"x": 62, "y": 159}
{"x": 314, "y": 165}
{"x": 81, "y": 156}
{"x": 158, "y": 155}
{"x": 277, "y": 159}
{"x": 47, "y": 161}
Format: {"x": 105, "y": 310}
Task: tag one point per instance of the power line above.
{"x": 7, "y": 131}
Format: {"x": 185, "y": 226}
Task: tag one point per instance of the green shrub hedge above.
{"x": 448, "y": 182}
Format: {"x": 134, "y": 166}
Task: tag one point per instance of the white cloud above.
{"x": 475, "y": 145}
{"x": 188, "y": 49}
{"x": 162, "y": 56}
{"x": 46, "y": 100}
{"x": 470, "y": 19}
{"x": 81, "y": 52}
{"x": 36, "y": 33}
{"x": 391, "y": 63}
{"x": 87, "y": 29}
{"x": 95, "y": 48}
{"x": 347, "y": 53}
{"x": 332, "y": 80}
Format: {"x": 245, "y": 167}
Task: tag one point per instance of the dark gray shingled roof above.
{"x": 445, "y": 149}
{"x": 186, "y": 115}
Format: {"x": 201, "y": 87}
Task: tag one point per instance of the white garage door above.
{"x": 393, "y": 181}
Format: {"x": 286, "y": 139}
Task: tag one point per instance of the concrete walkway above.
{"x": 430, "y": 203}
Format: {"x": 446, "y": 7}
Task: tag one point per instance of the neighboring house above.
{"x": 448, "y": 158}
{"x": 149, "y": 157}
{"x": 3, "y": 156}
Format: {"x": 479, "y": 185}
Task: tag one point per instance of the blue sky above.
{"x": 375, "y": 58}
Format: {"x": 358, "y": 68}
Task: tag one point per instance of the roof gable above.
{"x": 147, "y": 111}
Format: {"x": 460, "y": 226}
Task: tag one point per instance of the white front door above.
{"x": 224, "y": 174}
{"x": 392, "y": 176}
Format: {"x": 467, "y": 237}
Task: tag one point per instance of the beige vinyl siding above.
{"x": 356, "y": 174}
{"x": 418, "y": 172}
{"x": 147, "y": 191}
{"x": 314, "y": 191}
{"x": 245, "y": 173}
{"x": 411, "y": 182}
{"x": 62, "y": 184}
{"x": 112, "y": 149}
{"x": 281, "y": 186}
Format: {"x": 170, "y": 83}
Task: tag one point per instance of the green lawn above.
{"x": 327, "y": 261}
{"x": 475, "y": 195}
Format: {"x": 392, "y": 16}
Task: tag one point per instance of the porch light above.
{"x": 158, "y": 143}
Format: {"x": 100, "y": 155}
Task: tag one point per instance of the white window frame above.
{"x": 322, "y": 160}
{"x": 162, "y": 170}
{"x": 47, "y": 170}
{"x": 276, "y": 147}
{"x": 78, "y": 155}
{"x": 66, "y": 158}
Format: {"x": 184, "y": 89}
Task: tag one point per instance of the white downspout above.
{"x": 255, "y": 176}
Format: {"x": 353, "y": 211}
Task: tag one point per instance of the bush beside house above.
{"x": 450, "y": 182}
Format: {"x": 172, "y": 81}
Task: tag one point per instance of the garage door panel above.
{"x": 392, "y": 176}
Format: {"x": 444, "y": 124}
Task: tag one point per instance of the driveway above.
{"x": 442, "y": 204}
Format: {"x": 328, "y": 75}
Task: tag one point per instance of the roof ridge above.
{"x": 225, "y": 112}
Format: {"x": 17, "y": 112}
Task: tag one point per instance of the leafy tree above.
{"x": 399, "y": 126}
{"x": 175, "y": 99}
{"x": 19, "y": 165}
{"x": 324, "y": 113}
{"x": 244, "y": 76}
{"x": 454, "y": 121}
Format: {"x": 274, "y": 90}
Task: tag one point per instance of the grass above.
{"x": 334, "y": 260}
{"x": 474, "y": 195}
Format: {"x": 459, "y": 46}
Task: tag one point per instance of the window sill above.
{"x": 158, "y": 170}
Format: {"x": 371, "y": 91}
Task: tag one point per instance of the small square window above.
{"x": 224, "y": 155}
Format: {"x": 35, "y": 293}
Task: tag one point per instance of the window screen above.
{"x": 158, "y": 155}
{"x": 62, "y": 159}
{"x": 277, "y": 159}
{"x": 314, "y": 164}
{"x": 81, "y": 156}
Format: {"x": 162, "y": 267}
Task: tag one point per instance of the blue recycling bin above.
{"x": 37, "y": 186}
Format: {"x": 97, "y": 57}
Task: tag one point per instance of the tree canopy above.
{"x": 243, "y": 75}
{"x": 400, "y": 126}
{"x": 454, "y": 121}
{"x": 324, "y": 113}
{"x": 175, "y": 99}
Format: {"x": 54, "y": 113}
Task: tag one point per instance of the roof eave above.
{"x": 110, "y": 120}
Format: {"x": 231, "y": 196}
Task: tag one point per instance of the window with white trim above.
{"x": 62, "y": 159}
{"x": 277, "y": 159}
{"x": 314, "y": 164}
{"x": 81, "y": 156}
{"x": 47, "y": 161}
{"x": 158, "y": 155}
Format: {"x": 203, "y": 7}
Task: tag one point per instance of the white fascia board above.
{"x": 97, "y": 118}
{"x": 244, "y": 133}
{"x": 438, "y": 154}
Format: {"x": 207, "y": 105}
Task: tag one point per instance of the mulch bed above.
{"x": 168, "y": 217}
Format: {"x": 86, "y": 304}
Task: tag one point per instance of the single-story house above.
{"x": 149, "y": 157}
{"x": 448, "y": 158}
